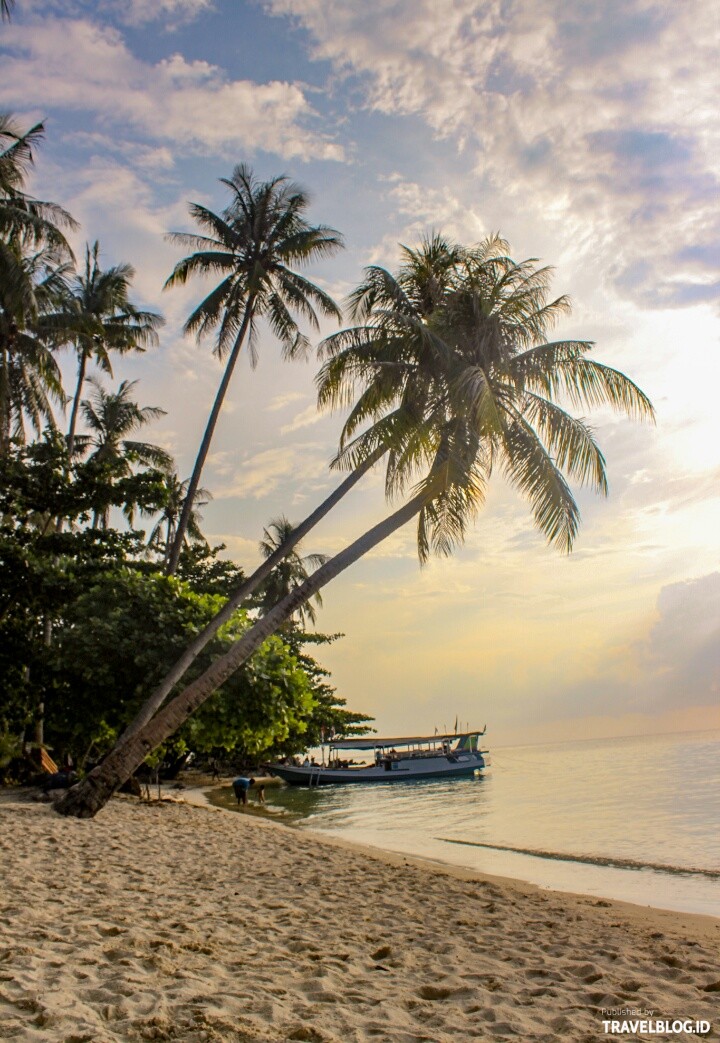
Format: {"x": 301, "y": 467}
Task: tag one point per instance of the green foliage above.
{"x": 89, "y": 626}
{"x": 204, "y": 571}
{"x": 118, "y": 639}
{"x": 260, "y": 707}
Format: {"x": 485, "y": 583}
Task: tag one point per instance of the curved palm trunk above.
{"x": 82, "y": 365}
{"x": 89, "y": 796}
{"x": 207, "y": 439}
{"x": 157, "y": 698}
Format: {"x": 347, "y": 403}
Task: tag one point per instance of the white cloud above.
{"x": 596, "y": 119}
{"x": 173, "y": 11}
{"x": 280, "y": 401}
{"x": 263, "y": 472}
{"x": 78, "y": 65}
{"x": 306, "y": 418}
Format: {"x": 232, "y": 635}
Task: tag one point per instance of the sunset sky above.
{"x": 587, "y": 134}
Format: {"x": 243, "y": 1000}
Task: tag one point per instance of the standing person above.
{"x": 241, "y": 785}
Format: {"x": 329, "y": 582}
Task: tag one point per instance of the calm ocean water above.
{"x": 642, "y": 815}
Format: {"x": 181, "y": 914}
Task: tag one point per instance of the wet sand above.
{"x": 170, "y": 921}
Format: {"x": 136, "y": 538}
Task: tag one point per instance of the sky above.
{"x": 587, "y": 134}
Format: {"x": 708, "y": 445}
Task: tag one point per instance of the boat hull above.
{"x": 400, "y": 771}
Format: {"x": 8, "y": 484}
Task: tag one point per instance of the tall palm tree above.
{"x": 110, "y": 417}
{"x": 30, "y": 288}
{"x": 163, "y": 533}
{"x": 255, "y": 244}
{"x": 33, "y": 255}
{"x": 99, "y": 318}
{"x": 490, "y": 384}
{"x": 288, "y": 573}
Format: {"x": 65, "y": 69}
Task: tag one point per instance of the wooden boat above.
{"x": 404, "y": 759}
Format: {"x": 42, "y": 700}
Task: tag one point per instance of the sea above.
{"x": 635, "y": 819}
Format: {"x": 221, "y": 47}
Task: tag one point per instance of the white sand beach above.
{"x": 176, "y": 922}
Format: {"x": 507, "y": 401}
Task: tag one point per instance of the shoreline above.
{"x": 202, "y": 798}
{"x": 169, "y": 921}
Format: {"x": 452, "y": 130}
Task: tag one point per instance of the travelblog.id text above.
{"x": 618, "y": 1021}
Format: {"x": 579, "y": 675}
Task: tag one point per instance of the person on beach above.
{"x": 241, "y": 785}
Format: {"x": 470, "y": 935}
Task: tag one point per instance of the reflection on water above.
{"x": 612, "y": 802}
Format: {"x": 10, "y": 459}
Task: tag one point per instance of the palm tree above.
{"x": 254, "y": 245}
{"x": 35, "y": 222}
{"x": 110, "y": 418}
{"x": 30, "y": 287}
{"x": 98, "y": 318}
{"x": 162, "y": 536}
{"x": 6, "y": 7}
{"x": 33, "y": 252}
{"x": 422, "y": 281}
{"x": 489, "y": 383}
{"x": 288, "y": 573}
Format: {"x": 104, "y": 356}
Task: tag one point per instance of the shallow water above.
{"x": 642, "y": 815}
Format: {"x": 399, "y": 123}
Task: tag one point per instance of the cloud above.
{"x": 674, "y": 665}
{"x": 680, "y": 658}
{"x": 306, "y": 418}
{"x": 263, "y": 472}
{"x": 175, "y": 12}
{"x": 77, "y": 65}
{"x": 596, "y": 119}
{"x": 280, "y": 401}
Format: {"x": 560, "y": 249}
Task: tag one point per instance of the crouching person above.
{"x": 241, "y": 786}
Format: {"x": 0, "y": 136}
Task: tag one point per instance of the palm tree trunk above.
{"x": 207, "y": 439}
{"x": 5, "y": 401}
{"x": 169, "y": 539}
{"x": 82, "y": 364}
{"x": 157, "y": 698}
{"x": 89, "y": 796}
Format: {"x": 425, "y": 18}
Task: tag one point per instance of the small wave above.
{"x": 592, "y": 860}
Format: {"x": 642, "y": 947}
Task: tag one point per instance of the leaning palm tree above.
{"x": 98, "y": 318}
{"x": 255, "y": 244}
{"x": 110, "y": 417}
{"x": 163, "y": 533}
{"x": 288, "y": 573}
{"x": 425, "y": 276}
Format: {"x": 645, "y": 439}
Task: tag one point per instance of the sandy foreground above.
{"x": 175, "y": 922}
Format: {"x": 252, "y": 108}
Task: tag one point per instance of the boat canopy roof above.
{"x": 372, "y": 742}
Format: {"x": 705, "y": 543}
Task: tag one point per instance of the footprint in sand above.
{"x": 631, "y": 986}
{"x": 435, "y": 992}
{"x": 111, "y": 932}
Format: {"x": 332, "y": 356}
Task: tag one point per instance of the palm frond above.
{"x": 530, "y": 469}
